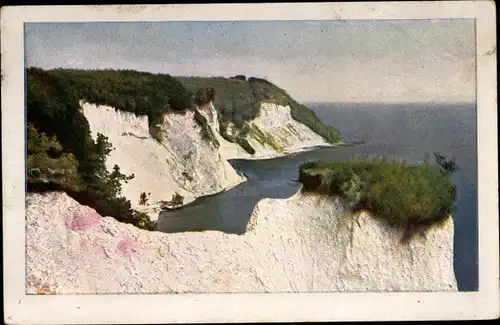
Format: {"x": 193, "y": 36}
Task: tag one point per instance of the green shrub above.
{"x": 177, "y": 200}
{"x": 204, "y": 96}
{"x": 143, "y": 199}
{"x": 403, "y": 194}
{"x": 141, "y": 220}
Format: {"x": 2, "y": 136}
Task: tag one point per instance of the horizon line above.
{"x": 474, "y": 102}
{"x": 393, "y": 103}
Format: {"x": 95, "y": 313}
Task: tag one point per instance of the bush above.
{"x": 143, "y": 199}
{"x": 204, "y": 96}
{"x": 403, "y": 194}
{"x": 447, "y": 166}
{"x": 177, "y": 200}
{"x": 141, "y": 220}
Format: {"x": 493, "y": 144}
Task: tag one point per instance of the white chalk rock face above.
{"x": 227, "y": 149}
{"x": 302, "y": 244}
{"x": 183, "y": 162}
{"x": 277, "y": 123}
{"x": 277, "y": 120}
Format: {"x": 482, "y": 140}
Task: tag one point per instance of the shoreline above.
{"x": 245, "y": 178}
{"x": 300, "y": 150}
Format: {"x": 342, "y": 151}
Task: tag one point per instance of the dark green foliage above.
{"x": 447, "y": 166}
{"x": 141, "y": 93}
{"x": 239, "y": 77}
{"x": 243, "y": 142}
{"x": 403, "y": 194}
{"x": 204, "y": 96}
{"x": 176, "y": 201}
{"x": 255, "y": 79}
{"x": 224, "y": 133}
{"x": 46, "y": 163}
{"x": 141, "y": 220}
{"x": 143, "y": 198}
{"x": 233, "y": 99}
{"x": 238, "y": 101}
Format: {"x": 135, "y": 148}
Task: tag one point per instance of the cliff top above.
{"x": 414, "y": 196}
{"x": 238, "y": 99}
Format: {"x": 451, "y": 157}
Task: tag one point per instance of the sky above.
{"x": 364, "y": 61}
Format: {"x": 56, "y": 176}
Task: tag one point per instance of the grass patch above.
{"x": 413, "y": 196}
{"x": 176, "y": 201}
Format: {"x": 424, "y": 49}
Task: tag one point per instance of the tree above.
{"x": 177, "y": 199}
{"x": 447, "y": 166}
{"x": 143, "y": 199}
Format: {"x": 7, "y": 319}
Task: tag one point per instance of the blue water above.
{"x": 410, "y": 132}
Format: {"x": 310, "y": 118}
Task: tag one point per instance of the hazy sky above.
{"x": 315, "y": 61}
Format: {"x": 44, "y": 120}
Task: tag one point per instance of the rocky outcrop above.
{"x": 273, "y": 133}
{"x": 182, "y": 161}
{"x": 302, "y": 244}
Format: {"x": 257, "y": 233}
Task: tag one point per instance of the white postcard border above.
{"x": 96, "y": 309}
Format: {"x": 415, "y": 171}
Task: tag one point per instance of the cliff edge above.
{"x": 303, "y": 244}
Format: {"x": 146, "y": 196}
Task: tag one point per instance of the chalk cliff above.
{"x": 273, "y": 133}
{"x": 302, "y": 244}
{"x": 183, "y": 161}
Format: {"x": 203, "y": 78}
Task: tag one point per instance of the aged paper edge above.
{"x": 97, "y": 309}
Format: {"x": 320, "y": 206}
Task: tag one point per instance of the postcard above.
{"x": 250, "y": 162}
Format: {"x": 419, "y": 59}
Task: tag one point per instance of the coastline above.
{"x": 263, "y": 158}
{"x": 300, "y": 150}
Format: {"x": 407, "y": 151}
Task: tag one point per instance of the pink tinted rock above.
{"x": 127, "y": 246}
{"x": 82, "y": 219}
